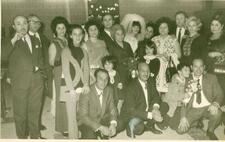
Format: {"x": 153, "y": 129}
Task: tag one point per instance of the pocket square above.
{"x": 36, "y": 46}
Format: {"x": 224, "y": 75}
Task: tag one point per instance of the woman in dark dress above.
{"x": 58, "y": 109}
{"x": 122, "y": 52}
{"x": 195, "y": 43}
{"x": 216, "y": 51}
{"x": 75, "y": 69}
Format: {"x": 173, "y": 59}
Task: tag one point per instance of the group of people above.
{"x": 104, "y": 79}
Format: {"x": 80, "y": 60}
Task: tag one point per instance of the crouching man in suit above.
{"x": 142, "y": 107}
{"x": 204, "y": 102}
{"x": 97, "y": 113}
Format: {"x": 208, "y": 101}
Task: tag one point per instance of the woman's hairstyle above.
{"x": 91, "y": 22}
{"x": 219, "y": 17}
{"x": 196, "y": 20}
{"x": 58, "y": 20}
{"x": 109, "y": 59}
{"x": 70, "y": 31}
{"x": 136, "y": 23}
{"x": 151, "y": 44}
{"x": 116, "y": 28}
{"x": 181, "y": 66}
{"x": 165, "y": 20}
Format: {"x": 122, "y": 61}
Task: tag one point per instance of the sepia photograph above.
{"x": 112, "y": 70}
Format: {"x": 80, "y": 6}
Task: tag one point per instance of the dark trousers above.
{"x": 27, "y": 106}
{"x": 137, "y": 126}
{"x": 194, "y": 114}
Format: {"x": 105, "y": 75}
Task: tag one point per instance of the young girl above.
{"x": 109, "y": 63}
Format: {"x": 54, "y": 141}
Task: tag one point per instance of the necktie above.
{"x": 179, "y": 35}
{"x": 100, "y": 97}
{"x": 198, "y": 93}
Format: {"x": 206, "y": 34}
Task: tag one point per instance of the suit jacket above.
{"x": 107, "y": 39}
{"x": 211, "y": 89}
{"x": 183, "y": 39}
{"x": 22, "y": 63}
{"x": 91, "y": 113}
{"x": 134, "y": 103}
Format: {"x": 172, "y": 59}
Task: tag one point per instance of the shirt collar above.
{"x": 195, "y": 78}
{"x": 142, "y": 83}
{"x": 98, "y": 90}
{"x": 25, "y": 37}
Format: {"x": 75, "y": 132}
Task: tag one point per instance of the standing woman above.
{"x": 122, "y": 52}
{"x": 216, "y": 48}
{"x": 168, "y": 49}
{"x": 95, "y": 48}
{"x": 75, "y": 69}
{"x": 195, "y": 44}
{"x": 59, "y": 27}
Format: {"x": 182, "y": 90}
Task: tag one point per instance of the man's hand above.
{"x": 184, "y": 125}
{"x": 156, "y": 115}
{"x": 112, "y": 130}
{"x": 86, "y": 89}
{"x": 104, "y": 130}
{"x": 213, "y": 109}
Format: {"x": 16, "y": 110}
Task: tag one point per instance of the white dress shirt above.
{"x": 99, "y": 92}
{"x": 28, "y": 40}
{"x": 108, "y": 33}
{"x": 182, "y": 33}
{"x": 204, "y": 101}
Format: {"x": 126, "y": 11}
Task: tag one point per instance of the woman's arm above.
{"x": 177, "y": 48}
{"x": 52, "y": 54}
{"x": 85, "y": 68}
{"x": 65, "y": 56}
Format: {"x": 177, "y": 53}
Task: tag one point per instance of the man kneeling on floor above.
{"x": 142, "y": 107}
{"x": 97, "y": 112}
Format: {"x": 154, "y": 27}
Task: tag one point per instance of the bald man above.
{"x": 142, "y": 107}
{"x": 25, "y": 73}
{"x": 204, "y": 102}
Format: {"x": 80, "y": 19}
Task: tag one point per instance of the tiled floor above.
{"x": 8, "y": 129}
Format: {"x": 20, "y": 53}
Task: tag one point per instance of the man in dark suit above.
{"x": 34, "y": 26}
{"x": 181, "y": 30}
{"x": 142, "y": 106}
{"x": 97, "y": 113}
{"x": 105, "y": 34}
{"x": 204, "y": 102}
{"x": 25, "y": 73}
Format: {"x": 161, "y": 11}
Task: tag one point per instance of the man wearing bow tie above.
{"x": 97, "y": 113}
{"x": 34, "y": 28}
{"x": 25, "y": 72}
{"x": 204, "y": 102}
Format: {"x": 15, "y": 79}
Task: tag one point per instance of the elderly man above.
{"x": 25, "y": 72}
{"x": 97, "y": 113}
{"x": 142, "y": 107}
{"x": 203, "y": 99}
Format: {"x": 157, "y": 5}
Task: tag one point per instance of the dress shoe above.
{"x": 162, "y": 125}
{"x": 65, "y": 134}
{"x": 153, "y": 130}
{"x": 43, "y": 127}
{"x": 211, "y": 135}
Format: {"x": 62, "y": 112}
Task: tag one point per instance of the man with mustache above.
{"x": 25, "y": 73}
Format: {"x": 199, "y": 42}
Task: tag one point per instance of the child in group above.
{"x": 109, "y": 63}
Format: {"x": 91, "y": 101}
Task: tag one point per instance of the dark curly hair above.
{"x": 219, "y": 16}
{"x": 151, "y": 24}
{"x": 164, "y": 20}
{"x": 92, "y": 22}
{"x": 58, "y": 20}
{"x": 109, "y": 59}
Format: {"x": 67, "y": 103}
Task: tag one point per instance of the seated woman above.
{"x": 151, "y": 58}
{"x": 95, "y": 47}
{"x": 109, "y": 63}
{"x": 176, "y": 90}
{"x": 75, "y": 69}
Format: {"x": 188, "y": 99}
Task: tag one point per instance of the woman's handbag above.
{"x": 170, "y": 71}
